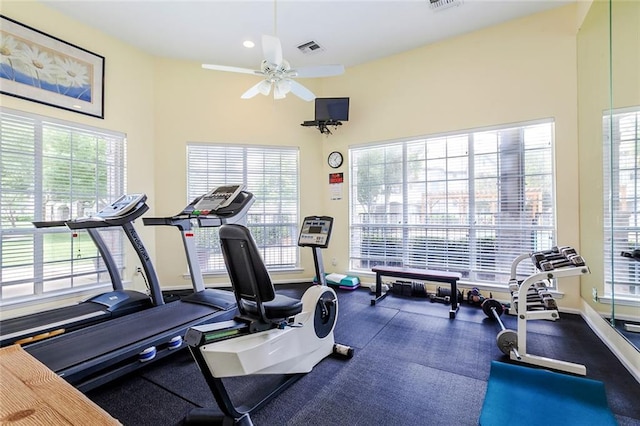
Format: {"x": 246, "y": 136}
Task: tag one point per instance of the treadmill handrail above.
{"x": 105, "y": 254}
{"x": 49, "y": 223}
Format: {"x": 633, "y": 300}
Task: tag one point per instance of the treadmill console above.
{"x": 217, "y": 198}
{"x": 316, "y": 231}
{"x": 121, "y": 206}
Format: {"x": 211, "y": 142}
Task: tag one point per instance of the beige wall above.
{"x": 522, "y": 70}
{"x": 196, "y": 105}
{"x": 518, "y": 71}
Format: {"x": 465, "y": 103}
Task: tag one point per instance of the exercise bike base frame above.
{"x": 230, "y": 411}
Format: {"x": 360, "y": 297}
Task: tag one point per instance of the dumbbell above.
{"x": 444, "y": 292}
{"x": 537, "y": 305}
{"x": 537, "y": 258}
{"x": 442, "y": 299}
{"x": 540, "y": 285}
{"x": 552, "y": 250}
{"x": 550, "y": 303}
{"x": 515, "y": 286}
{"x": 634, "y": 255}
{"x": 506, "y": 339}
{"x": 544, "y": 294}
{"x": 533, "y": 292}
{"x": 573, "y": 260}
{"x": 556, "y": 253}
{"x": 568, "y": 251}
{"x": 530, "y": 298}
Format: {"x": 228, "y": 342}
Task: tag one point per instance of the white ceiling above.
{"x": 350, "y": 32}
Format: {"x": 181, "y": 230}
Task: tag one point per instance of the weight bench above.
{"x": 446, "y": 277}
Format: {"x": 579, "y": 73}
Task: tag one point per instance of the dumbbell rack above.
{"x": 547, "y": 314}
{"x": 551, "y": 310}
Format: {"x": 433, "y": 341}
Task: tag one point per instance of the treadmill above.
{"x": 201, "y": 211}
{"x": 92, "y": 356}
{"x": 41, "y": 325}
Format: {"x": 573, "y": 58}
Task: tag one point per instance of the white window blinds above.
{"x": 468, "y": 202}
{"x": 271, "y": 174}
{"x": 622, "y": 201}
{"x": 54, "y": 170}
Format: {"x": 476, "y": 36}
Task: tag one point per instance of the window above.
{"x": 54, "y": 170}
{"x": 622, "y": 201}
{"x": 467, "y": 202}
{"x": 271, "y": 174}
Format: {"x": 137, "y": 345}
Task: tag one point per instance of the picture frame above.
{"x": 41, "y": 68}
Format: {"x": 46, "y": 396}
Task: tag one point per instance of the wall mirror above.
{"x": 609, "y": 130}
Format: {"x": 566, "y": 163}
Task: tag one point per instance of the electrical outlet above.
{"x": 138, "y": 270}
{"x": 334, "y": 262}
{"x": 594, "y": 294}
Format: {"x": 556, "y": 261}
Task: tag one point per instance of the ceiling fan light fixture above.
{"x": 264, "y": 87}
{"x": 282, "y": 88}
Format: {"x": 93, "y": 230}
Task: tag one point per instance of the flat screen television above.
{"x": 332, "y": 109}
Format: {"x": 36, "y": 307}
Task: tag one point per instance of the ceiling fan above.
{"x": 279, "y": 74}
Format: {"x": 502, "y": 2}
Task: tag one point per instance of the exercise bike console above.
{"x": 315, "y": 232}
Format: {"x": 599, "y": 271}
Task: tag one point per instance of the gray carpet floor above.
{"x": 412, "y": 366}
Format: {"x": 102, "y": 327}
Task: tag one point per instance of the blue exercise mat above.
{"x": 527, "y": 396}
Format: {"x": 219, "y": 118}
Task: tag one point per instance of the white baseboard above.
{"x": 628, "y": 355}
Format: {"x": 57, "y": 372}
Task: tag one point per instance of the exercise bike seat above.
{"x": 252, "y": 285}
{"x": 280, "y": 307}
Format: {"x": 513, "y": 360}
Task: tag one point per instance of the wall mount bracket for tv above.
{"x": 323, "y": 125}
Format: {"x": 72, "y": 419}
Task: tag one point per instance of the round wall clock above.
{"x": 335, "y": 159}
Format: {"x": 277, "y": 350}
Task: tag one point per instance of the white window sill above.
{"x": 620, "y": 300}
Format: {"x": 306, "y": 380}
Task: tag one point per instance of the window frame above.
{"x": 76, "y": 268}
{"x": 278, "y": 257}
{"x": 470, "y": 272}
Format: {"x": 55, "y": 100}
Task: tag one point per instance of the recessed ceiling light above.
{"x": 248, "y": 44}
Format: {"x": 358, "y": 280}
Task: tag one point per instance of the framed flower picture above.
{"x": 42, "y": 68}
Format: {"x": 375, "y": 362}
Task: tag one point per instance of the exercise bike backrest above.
{"x": 255, "y": 294}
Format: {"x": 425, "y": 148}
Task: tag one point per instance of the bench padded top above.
{"x": 416, "y": 273}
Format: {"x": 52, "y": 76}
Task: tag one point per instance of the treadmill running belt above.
{"x": 29, "y": 325}
{"x": 85, "y": 344}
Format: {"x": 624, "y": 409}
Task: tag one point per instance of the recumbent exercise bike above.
{"x": 273, "y": 333}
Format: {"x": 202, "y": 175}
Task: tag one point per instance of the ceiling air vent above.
{"x": 438, "y": 5}
{"x": 310, "y": 47}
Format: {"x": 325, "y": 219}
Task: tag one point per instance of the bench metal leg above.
{"x": 454, "y": 300}
{"x": 379, "y": 295}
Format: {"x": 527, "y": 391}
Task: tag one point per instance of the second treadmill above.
{"x": 102, "y": 307}
{"x": 95, "y": 355}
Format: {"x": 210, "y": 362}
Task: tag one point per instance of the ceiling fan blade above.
{"x": 263, "y": 87}
{"x": 272, "y": 49}
{"x": 300, "y": 91}
{"x": 231, "y": 69}
{"x": 318, "y": 71}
